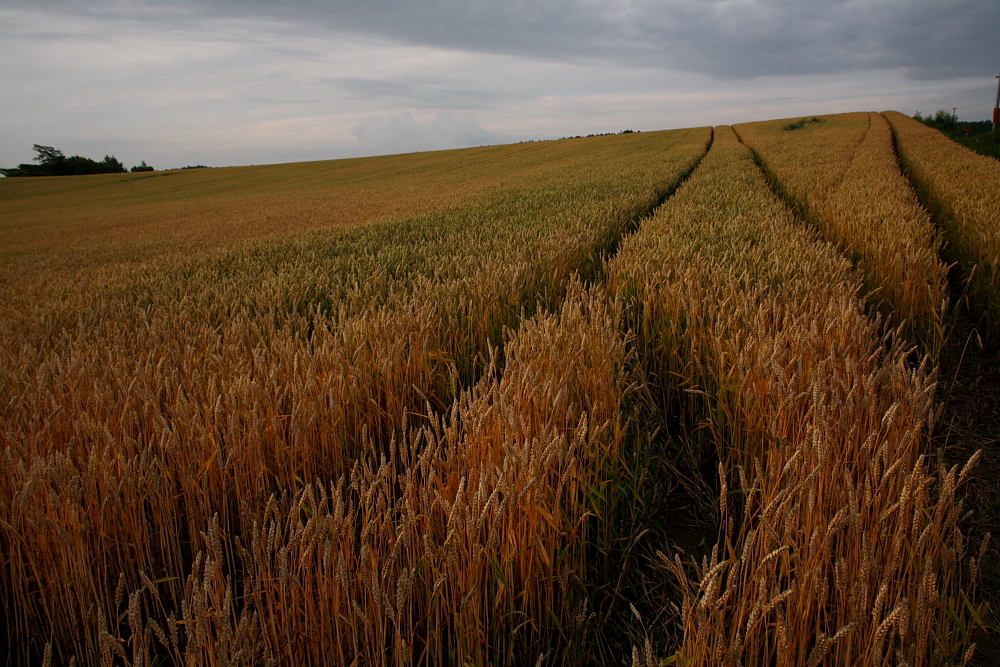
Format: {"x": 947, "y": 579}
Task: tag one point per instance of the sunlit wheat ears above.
{"x": 158, "y": 393}
{"x": 959, "y": 187}
{"x": 793, "y": 376}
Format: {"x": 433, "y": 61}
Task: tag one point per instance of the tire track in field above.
{"x": 870, "y": 213}
{"x": 665, "y": 195}
{"x": 719, "y": 210}
{"x": 969, "y": 393}
{"x": 595, "y": 256}
{"x": 782, "y": 193}
{"x": 650, "y": 492}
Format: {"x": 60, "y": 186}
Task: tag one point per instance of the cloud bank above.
{"x": 402, "y": 134}
{"x": 721, "y": 38}
{"x": 218, "y": 82}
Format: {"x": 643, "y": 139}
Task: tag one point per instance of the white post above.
{"x": 996, "y": 110}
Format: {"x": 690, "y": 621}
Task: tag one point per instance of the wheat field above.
{"x": 405, "y": 410}
{"x": 960, "y": 188}
{"x": 846, "y": 546}
{"x": 847, "y": 183}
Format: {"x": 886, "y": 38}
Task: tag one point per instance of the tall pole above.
{"x": 996, "y": 110}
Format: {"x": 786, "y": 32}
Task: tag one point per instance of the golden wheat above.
{"x": 838, "y": 544}
{"x": 842, "y": 174}
{"x": 383, "y": 425}
{"x": 162, "y": 406}
{"x": 962, "y": 189}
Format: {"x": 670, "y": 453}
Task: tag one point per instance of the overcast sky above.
{"x": 226, "y": 82}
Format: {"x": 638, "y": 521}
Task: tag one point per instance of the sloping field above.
{"x": 840, "y": 173}
{"x": 844, "y": 550}
{"x": 441, "y": 409}
{"x": 164, "y": 404}
{"x": 961, "y": 188}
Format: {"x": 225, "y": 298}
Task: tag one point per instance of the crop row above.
{"x": 172, "y": 425}
{"x": 400, "y": 443}
{"x": 962, "y": 189}
{"x": 842, "y": 174}
{"x": 839, "y": 542}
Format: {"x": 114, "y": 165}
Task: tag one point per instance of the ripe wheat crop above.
{"x": 463, "y": 544}
{"x": 166, "y": 399}
{"x": 841, "y": 174}
{"x": 386, "y": 411}
{"x": 962, "y": 189}
{"x": 839, "y": 542}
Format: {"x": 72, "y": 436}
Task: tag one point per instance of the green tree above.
{"x": 941, "y": 120}
{"x": 53, "y": 162}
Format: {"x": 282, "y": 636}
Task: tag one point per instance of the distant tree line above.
{"x": 974, "y": 134}
{"x": 580, "y": 136}
{"x": 52, "y": 162}
{"x": 602, "y": 134}
{"x": 940, "y": 120}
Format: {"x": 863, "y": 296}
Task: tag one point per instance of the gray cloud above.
{"x": 180, "y": 83}
{"x": 722, "y": 38}
{"x": 400, "y": 133}
{"x": 418, "y": 92}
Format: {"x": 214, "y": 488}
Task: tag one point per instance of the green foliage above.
{"x": 22, "y": 170}
{"x": 941, "y": 120}
{"x": 974, "y": 135}
{"x": 799, "y": 124}
{"x": 53, "y": 162}
{"x": 142, "y": 167}
{"x": 109, "y": 165}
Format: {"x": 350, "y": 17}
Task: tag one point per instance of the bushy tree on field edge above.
{"x": 53, "y": 162}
